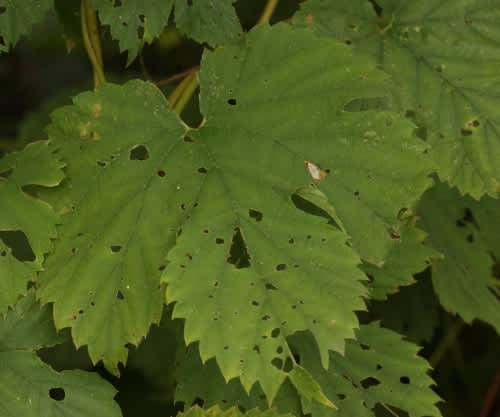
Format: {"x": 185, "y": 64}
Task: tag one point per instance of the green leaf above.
{"x": 307, "y": 386}
{"x": 192, "y": 377}
{"x": 240, "y": 275}
{"x": 466, "y": 232}
{"x": 409, "y": 255}
{"x": 232, "y": 412}
{"x": 27, "y": 224}
{"x": 27, "y": 326}
{"x": 17, "y": 17}
{"x": 208, "y": 21}
{"x": 137, "y": 21}
{"x": 29, "y": 387}
{"x": 286, "y": 277}
{"x": 440, "y": 56}
{"x": 371, "y": 373}
{"x": 114, "y": 232}
{"x": 134, "y": 22}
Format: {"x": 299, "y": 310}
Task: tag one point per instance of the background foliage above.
{"x": 249, "y": 208}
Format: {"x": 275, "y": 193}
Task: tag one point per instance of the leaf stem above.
{"x": 92, "y": 42}
{"x": 177, "y": 92}
{"x": 191, "y": 86}
{"x": 168, "y": 80}
{"x": 446, "y": 342}
{"x": 268, "y": 11}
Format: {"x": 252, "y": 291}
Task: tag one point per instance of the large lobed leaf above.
{"x": 17, "y": 17}
{"x": 29, "y": 387}
{"x": 443, "y": 59}
{"x": 219, "y": 202}
{"x": 466, "y": 232}
{"x": 25, "y": 219}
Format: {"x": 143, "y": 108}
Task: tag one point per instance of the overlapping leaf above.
{"x": 117, "y": 215}
{"x": 24, "y": 219}
{"x": 29, "y": 387}
{"x": 232, "y": 412}
{"x": 466, "y": 232}
{"x": 443, "y": 59}
{"x": 137, "y": 21}
{"x": 409, "y": 255}
{"x": 371, "y": 373}
{"x": 17, "y": 17}
{"x": 212, "y": 21}
{"x": 133, "y": 22}
{"x": 191, "y": 376}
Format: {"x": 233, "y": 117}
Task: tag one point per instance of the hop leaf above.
{"x": 370, "y": 373}
{"x": 17, "y": 17}
{"x": 232, "y": 412}
{"x": 29, "y": 387}
{"x": 135, "y": 22}
{"x": 466, "y": 232}
{"x": 439, "y": 56}
{"x": 27, "y": 224}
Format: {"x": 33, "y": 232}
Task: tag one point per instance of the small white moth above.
{"x": 315, "y": 171}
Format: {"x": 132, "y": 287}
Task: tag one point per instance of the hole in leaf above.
{"x": 465, "y": 132}
{"x": 271, "y": 287}
{"x": 115, "y": 248}
{"x": 280, "y": 267}
{"x": 277, "y": 363}
{"x": 379, "y": 367}
{"x": 341, "y": 396}
{"x": 369, "y": 382}
{"x": 255, "y": 303}
{"x": 19, "y": 245}
{"x": 219, "y": 241}
{"x": 475, "y": 123}
{"x": 404, "y": 380}
{"x": 161, "y": 173}
{"x": 139, "y": 153}
{"x": 226, "y": 347}
{"x": 287, "y": 367}
{"x": 279, "y": 350}
{"x": 460, "y": 223}
{"x": 202, "y": 170}
{"x": 102, "y": 163}
{"x": 266, "y": 317}
{"x": 3, "y": 253}
{"x": 291, "y": 241}
{"x": 57, "y": 394}
{"x": 119, "y": 295}
{"x": 232, "y": 102}
{"x": 238, "y": 253}
{"x": 255, "y": 214}
{"x": 275, "y": 333}
{"x": 256, "y": 349}
{"x": 469, "y": 218}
